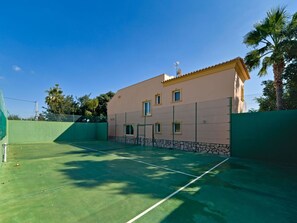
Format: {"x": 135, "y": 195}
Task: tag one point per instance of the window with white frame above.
{"x": 157, "y": 99}
{"x": 157, "y": 127}
{"x": 146, "y": 108}
{"x": 176, "y": 95}
{"x": 129, "y": 130}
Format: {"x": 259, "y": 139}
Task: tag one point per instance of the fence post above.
{"x": 137, "y": 136}
{"x": 196, "y": 123}
{"x": 153, "y": 136}
{"x": 173, "y": 120}
{"x": 107, "y": 129}
{"x": 115, "y": 127}
{"x": 125, "y": 128}
{"x": 144, "y": 130}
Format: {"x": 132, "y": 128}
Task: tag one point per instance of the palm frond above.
{"x": 275, "y": 24}
{"x": 252, "y": 38}
{"x": 252, "y": 59}
{"x": 291, "y": 29}
{"x": 266, "y": 62}
{"x": 289, "y": 47}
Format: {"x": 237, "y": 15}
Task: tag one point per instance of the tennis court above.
{"x": 108, "y": 182}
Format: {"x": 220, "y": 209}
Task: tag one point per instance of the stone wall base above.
{"x": 201, "y": 147}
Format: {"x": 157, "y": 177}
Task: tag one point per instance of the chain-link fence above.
{"x": 70, "y": 118}
{"x": 195, "y": 126}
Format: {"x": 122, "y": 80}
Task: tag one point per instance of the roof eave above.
{"x": 237, "y": 64}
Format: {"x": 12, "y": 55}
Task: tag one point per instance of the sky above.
{"x": 92, "y": 47}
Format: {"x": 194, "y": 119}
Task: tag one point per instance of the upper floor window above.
{"x": 176, "y": 96}
{"x": 157, "y": 99}
{"x": 146, "y": 108}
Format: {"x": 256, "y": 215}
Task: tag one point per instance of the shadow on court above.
{"x": 242, "y": 191}
{"x": 238, "y": 191}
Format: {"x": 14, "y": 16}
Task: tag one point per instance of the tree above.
{"x": 271, "y": 40}
{"x": 267, "y": 101}
{"x": 59, "y": 106}
{"x": 54, "y": 100}
{"x": 290, "y": 75}
{"x": 13, "y": 117}
{"x": 83, "y": 102}
{"x": 103, "y": 99}
{"x": 69, "y": 106}
{"x": 92, "y": 104}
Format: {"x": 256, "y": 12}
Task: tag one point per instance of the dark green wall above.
{"x": 42, "y": 132}
{"x": 268, "y": 136}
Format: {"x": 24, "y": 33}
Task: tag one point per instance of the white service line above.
{"x": 138, "y": 161}
{"x": 165, "y": 168}
{"x": 174, "y": 193}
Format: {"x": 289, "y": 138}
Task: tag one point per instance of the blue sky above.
{"x": 98, "y": 46}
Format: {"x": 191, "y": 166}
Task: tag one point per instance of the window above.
{"x": 176, "y": 96}
{"x": 129, "y": 130}
{"x": 147, "y": 108}
{"x": 157, "y": 99}
{"x": 157, "y": 128}
{"x": 176, "y": 127}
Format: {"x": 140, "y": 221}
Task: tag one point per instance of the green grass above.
{"x": 70, "y": 183}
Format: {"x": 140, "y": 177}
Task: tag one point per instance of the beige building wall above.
{"x": 130, "y": 99}
{"x": 206, "y": 121}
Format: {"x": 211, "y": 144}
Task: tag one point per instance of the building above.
{"x": 190, "y": 111}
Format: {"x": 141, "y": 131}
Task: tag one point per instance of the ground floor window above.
{"x": 157, "y": 128}
{"x": 176, "y": 127}
{"x": 129, "y": 130}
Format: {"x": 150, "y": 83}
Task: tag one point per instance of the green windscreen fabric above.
{"x": 267, "y": 136}
{"x": 3, "y": 117}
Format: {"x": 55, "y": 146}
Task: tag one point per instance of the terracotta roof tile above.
{"x": 210, "y": 67}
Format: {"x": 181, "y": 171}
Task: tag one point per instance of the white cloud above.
{"x": 16, "y": 68}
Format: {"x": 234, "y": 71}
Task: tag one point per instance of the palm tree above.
{"x": 271, "y": 40}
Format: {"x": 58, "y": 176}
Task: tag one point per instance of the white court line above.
{"x": 138, "y": 161}
{"x": 174, "y": 193}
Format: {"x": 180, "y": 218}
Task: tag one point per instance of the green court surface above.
{"x": 108, "y": 182}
